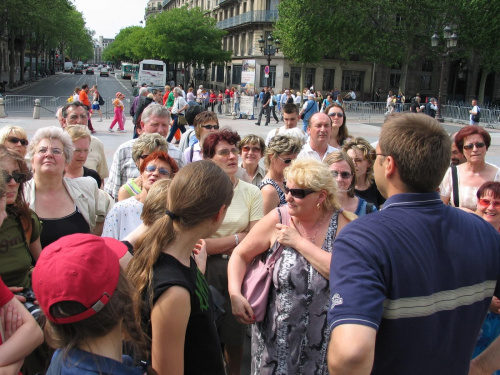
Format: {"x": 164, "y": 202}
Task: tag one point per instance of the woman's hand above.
{"x": 495, "y": 305}
{"x": 200, "y": 255}
{"x": 10, "y": 319}
{"x": 15, "y": 290}
{"x": 242, "y": 310}
{"x": 288, "y": 236}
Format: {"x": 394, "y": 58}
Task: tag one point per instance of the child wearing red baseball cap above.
{"x": 86, "y": 299}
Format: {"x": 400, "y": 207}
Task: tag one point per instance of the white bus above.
{"x": 153, "y": 73}
{"x": 126, "y": 70}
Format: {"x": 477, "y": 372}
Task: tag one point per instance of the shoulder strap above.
{"x": 284, "y": 219}
{"x": 191, "y": 154}
{"x": 454, "y": 178}
{"x": 369, "y": 207}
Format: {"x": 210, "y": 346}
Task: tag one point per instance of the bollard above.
{"x": 36, "y": 110}
{"x": 2, "y": 108}
{"x": 233, "y": 116}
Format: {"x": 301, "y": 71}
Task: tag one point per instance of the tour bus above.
{"x": 153, "y": 73}
{"x": 126, "y": 70}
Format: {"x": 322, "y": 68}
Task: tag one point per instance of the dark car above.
{"x": 78, "y": 69}
{"x": 89, "y": 70}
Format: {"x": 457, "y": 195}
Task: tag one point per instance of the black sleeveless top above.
{"x": 53, "y": 229}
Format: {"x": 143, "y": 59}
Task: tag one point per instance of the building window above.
{"x": 236, "y": 74}
{"x": 295, "y": 78}
{"x": 352, "y": 80}
{"x": 213, "y": 73}
{"x": 271, "y": 81}
{"x": 220, "y": 73}
{"x": 243, "y": 44}
{"x": 394, "y": 80}
{"x": 425, "y": 81}
{"x": 310, "y": 73}
{"x": 250, "y": 44}
{"x": 427, "y": 66}
{"x": 236, "y": 49}
{"x": 328, "y": 78}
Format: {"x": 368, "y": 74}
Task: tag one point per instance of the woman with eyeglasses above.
{"x": 294, "y": 334}
{"x": 20, "y": 231}
{"x": 243, "y": 213}
{"x": 339, "y": 127}
{"x": 81, "y": 141}
{"x": 146, "y": 144}
{"x": 252, "y": 148}
{"x": 15, "y": 139}
{"x": 365, "y": 187}
{"x": 280, "y": 153}
{"x": 204, "y": 123}
{"x": 473, "y": 142}
{"x": 343, "y": 172}
{"x": 125, "y": 215}
{"x": 64, "y": 205}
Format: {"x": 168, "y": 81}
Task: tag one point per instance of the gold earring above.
{"x": 318, "y": 206}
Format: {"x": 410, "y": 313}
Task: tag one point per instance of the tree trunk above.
{"x": 22, "y": 58}
{"x": 302, "y": 78}
{"x": 482, "y": 86}
{"x": 404, "y": 73}
{"x": 12, "y": 59}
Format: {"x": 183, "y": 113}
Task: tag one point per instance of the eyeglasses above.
{"x": 162, "y": 171}
{"x": 343, "y": 175}
{"x": 338, "y": 114}
{"x": 483, "y": 202}
{"x": 225, "y": 152}
{"x": 210, "y": 127}
{"x": 54, "y": 151}
{"x": 357, "y": 160}
{"x": 248, "y": 149}
{"x": 373, "y": 155}
{"x": 81, "y": 151}
{"x": 298, "y": 193}
{"x": 286, "y": 161}
{"x": 17, "y": 176}
{"x": 470, "y": 146}
{"x": 23, "y": 142}
{"x": 143, "y": 157}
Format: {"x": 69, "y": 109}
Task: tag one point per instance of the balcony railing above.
{"x": 248, "y": 17}
{"x": 165, "y": 2}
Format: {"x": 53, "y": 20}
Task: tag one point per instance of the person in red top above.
{"x": 213, "y": 100}
{"x": 167, "y": 93}
{"x": 84, "y": 98}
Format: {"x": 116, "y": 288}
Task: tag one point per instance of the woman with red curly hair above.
{"x": 473, "y": 142}
{"x": 125, "y": 215}
{"x": 242, "y": 214}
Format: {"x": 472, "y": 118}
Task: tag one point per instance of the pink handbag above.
{"x": 258, "y": 278}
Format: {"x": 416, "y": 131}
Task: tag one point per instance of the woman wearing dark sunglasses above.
{"x": 339, "y": 125}
{"x": 280, "y": 153}
{"x": 125, "y": 215}
{"x": 299, "y": 295}
{"x": 343, "y": 172}
{"x": 473, "y": 142}
{"x": 15, "y": 139}
{"x": 204, "y": 123}
{"x": 20, "y": 231}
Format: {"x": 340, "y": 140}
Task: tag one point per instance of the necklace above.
{"x": 312, "y": 239}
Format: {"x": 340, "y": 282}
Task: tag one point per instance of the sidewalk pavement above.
{"x": 368, "y": 129}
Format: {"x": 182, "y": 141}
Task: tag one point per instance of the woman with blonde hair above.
{"x": 81, "y": 142}
{"x": 15, "y": 139}
{"x": 365, "y": 187}
{"x": 294, "y": 333}
{"x": 280, "y": 153}
{"x": 343, "y": 171}
{"x": 172, "y": 298}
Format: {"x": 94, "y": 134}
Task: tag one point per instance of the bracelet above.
{"x": 236, "y": 239}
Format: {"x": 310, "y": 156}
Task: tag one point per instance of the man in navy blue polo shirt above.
{"x": 410, "y": 285}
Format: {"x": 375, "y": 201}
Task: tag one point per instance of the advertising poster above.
{"x": 247, "y": 87}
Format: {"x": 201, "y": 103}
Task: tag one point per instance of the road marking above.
{"x": 128, "y": 90}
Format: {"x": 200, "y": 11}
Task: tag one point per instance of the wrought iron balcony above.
{"x": 260, "y": 16}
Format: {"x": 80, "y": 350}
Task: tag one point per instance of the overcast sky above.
{"x": 107, "y": 17}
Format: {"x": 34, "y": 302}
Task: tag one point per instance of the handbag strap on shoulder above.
{"x": 284, "y": 219}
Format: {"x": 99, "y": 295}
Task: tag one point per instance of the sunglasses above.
{"x": 226, "y": 152}
{"x": 470, "y": 146}
{"x": 338, "y": 114}
{"x": 343, "y": 175}
{"x": 298, "y": 193}
{"x": 248, "y": 149}
{"x": 483, "y": 202}
{"x": 23, "y": 142}
{"x": 286, "y": 161}
{"x": 162, "y": 171}
{"x": 17, "y": 176}
{"x": 210, "y": 127}
{"x": 143, "y": 157}
{"x": 372, "y": 155}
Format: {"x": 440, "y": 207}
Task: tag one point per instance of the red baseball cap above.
{"x": 80, "y": 267}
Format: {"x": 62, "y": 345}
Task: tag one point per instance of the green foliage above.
{"x": 128, "y": 45}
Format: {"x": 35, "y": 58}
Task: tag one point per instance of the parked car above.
{"x": 104, "y": 72}
{"x": 89, "y": 70}
{"x": 78, "y": 69}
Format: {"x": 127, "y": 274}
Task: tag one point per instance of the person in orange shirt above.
{"x": 167, "y": 92}
{"x": 84, "y": 98}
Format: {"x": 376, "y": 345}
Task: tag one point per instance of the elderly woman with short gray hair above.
{"x": 178, "y": 110}
{"x": 64, "y": 205}
{"x": 146, "y": 144}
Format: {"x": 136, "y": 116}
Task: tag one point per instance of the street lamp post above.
{"x": 451, "y": 40}
{"x": 269, "y": 47}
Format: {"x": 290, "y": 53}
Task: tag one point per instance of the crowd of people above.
{"x": 385, "y": 251}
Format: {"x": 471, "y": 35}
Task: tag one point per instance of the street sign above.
{"x": 266, "y": 70}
